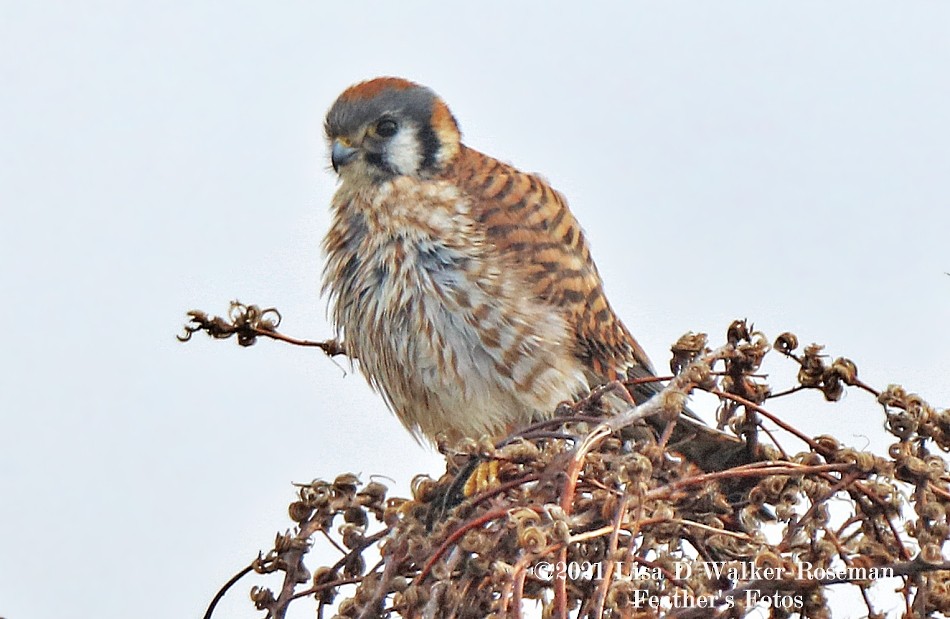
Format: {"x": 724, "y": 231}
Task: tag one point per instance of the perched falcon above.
{"x": 464, "y": 286}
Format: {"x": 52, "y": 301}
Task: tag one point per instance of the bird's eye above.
{"x": 386, "y": 128}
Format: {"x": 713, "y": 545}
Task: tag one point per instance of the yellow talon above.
{"x": 484, "y": 477}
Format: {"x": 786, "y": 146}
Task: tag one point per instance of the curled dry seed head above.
{"x": 316, "y": 495}
{"x": 866, "y": 461}
{"x": 700, "y": 374}
{"x": 374, "y": 493}
{"x": 522, "y": 517}
{"x": 346, "y": 483}
{"x": 737, "y": 331}
{"x": 789, "y": 494}
{"x": 299, "y": 511}
{"x": 825, "y": 551}
{"x": 486, "y": 447}
{"x": 348, "y": 608}
{"x": 812, "y": 367}
{"x": 639, "y": 466}
{"x": 750, "y": 518}
{"x": 940, "y": 530}
{"x": 916, "y": 467}
{"x": 691, "y": 343}
{"x": 283, "y": 541}
{"x": 322, "y": 576}
{"x": 354, "y": 565}
{"x": 810, "y": 458}
{"x": 356, "y": 516}
{"x": 899, "y": 451}
{"x": 758, "y": 392}
{"x": 828, "y": 444}
{"x": 931, "y": 510}
{"x": 395, "y": 508}
{"x": 687, "y": 348}
{"x": 560, "y": 532}
{"x": 915, "y": 405}
{"x": 820, "y": 515}
{"x": 423, "y": 488}
{"x": 937, "y": 466}
{"x": 786, "y": 343}
{"x": 672, "y": 402}
{"x": 663, "y": 512}
{"x": 608, "y": 505}
{"x": 555, "y": 512}
{"x": 532, "y": 539}
{"x": 892, "y": 395}
{"x": 931, "y": 553}
{"x": 265, "y": 564}
{"x": 756, "y": 497}
{"x": 831, "y": 388}
{"x": 262, "y": 597}
{"x": 520, "y": 450}
{"x": 772, "y": 486}
{"x": 784, "y": 512}
{"x": 768, "y": 559}
{"x": 846, "y": 370}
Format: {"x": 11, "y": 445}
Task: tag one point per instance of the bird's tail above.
{"x": 705, "y": 446}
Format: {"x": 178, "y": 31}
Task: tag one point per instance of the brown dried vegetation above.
{"x": 592, "y": 515}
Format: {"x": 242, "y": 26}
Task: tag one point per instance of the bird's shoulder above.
{"x": 520, "y": 214}
{"x": 531, "y": 227}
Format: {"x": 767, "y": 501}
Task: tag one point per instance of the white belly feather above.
{"x": 439, "y": 327}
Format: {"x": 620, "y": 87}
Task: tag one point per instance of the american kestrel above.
{"x": 463, "y": 286}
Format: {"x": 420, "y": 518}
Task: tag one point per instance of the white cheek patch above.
{"x": 404, "y": 153}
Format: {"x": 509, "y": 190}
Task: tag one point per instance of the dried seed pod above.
{"x": 352, "y": 535}
{"x": 300, "y": 511}
{"x": 768, "y": 559}
{"x": 521, "y": 517}
{"x": 423, "y": 488}
{"x": 831, "y": 387}
{"x": 786, "y": 343}
{"x": 899, "y": 451}
{"x": 373, "y": 494}
{"x": 322, "y": 576}
{"x": 346, "y": 484}
{"x": 262, "y": 597}
{"x": 532, "y": 539}
{"x": 316, "y": 495}
{"x": 892, "y": 395}
{"x": 931, "y": 553}
{"x": 937, "y": 467}
{"x": 356, "y": 516}
{"x": 846, "y": 370}
{"x": 737, "y": 331}
{"x": 932, "y": 510}
{"x": 902, "y": 425}
{"x": 520, "y": 451}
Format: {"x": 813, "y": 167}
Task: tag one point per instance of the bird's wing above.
{"x": 536, "y": 234}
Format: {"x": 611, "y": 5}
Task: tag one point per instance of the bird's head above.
{"x": 389, "y": 127}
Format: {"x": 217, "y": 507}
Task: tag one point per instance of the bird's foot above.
{"x": 484, "y": 477}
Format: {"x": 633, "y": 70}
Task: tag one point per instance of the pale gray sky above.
{"x": 785, "y": 162}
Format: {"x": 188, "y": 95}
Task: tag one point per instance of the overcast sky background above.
{"x": 785, "y": 162}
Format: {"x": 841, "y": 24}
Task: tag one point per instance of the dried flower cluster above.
{"x": 591, "y": 514}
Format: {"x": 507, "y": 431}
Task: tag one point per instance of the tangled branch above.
{"x": 591, "y": 514}
{"x": 248, "y": 322}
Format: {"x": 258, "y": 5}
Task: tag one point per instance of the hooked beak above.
{"x": 341, "y": 154}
